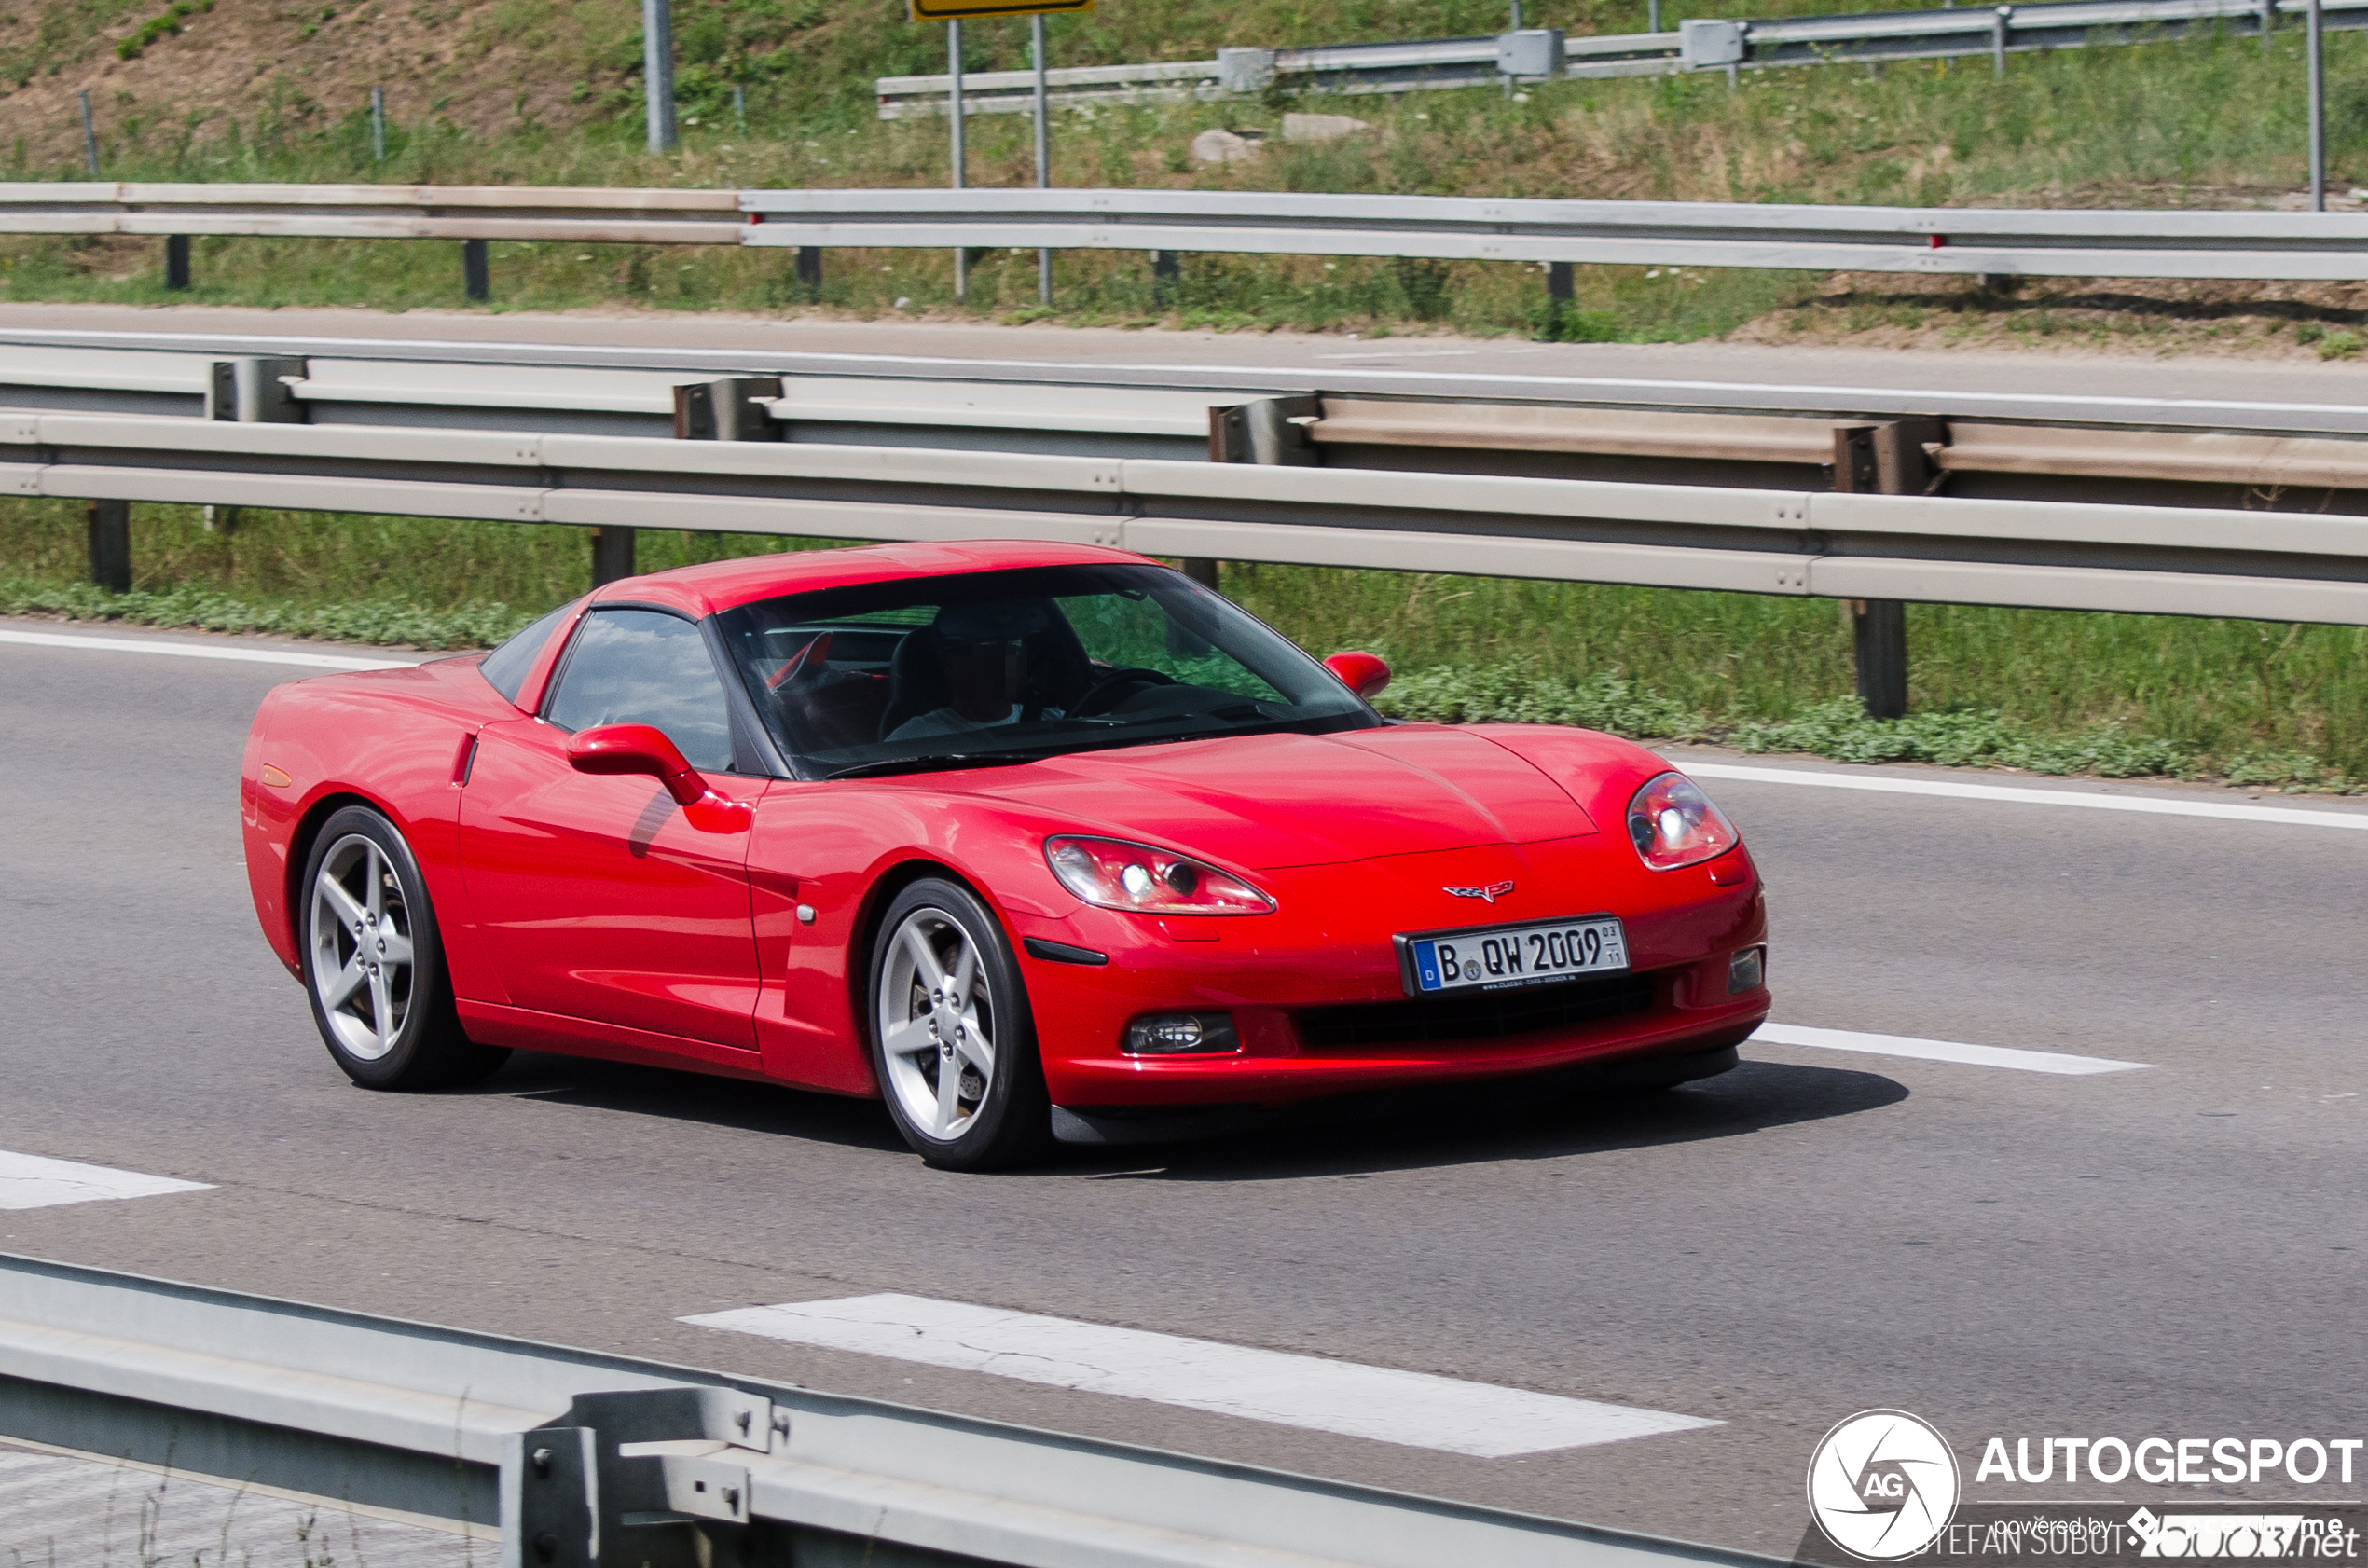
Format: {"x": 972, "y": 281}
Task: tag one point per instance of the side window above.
{"x": 507, "y": 666}
{"x": 639, "y": 666}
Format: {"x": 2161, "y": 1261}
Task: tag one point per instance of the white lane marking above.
{"x": 1418, "y": 1410}
{"x": 30, "y": 1182}
{"x": 1943, "y": 1051}
{"x": 1419, "y": 353}
{"x": 200, "y": 651}
{"x": 1886, "y": 784}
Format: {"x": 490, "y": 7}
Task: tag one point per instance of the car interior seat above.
{"x": 1057, "y": 670}
{"x": 916, "y": 680}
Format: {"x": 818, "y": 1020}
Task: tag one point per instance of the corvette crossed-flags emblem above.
{"x": 1488, "y": 894}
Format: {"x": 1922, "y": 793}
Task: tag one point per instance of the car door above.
{"x": 596, "y": 898}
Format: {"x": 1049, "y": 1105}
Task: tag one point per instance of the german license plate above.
{"x": 1491, "y": 957}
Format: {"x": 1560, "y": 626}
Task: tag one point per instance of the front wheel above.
{"x": 374, "y": 963}
{"x": 952, "y": 1038}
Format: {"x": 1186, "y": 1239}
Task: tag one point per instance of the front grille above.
{"x": 1486, "y": 1015}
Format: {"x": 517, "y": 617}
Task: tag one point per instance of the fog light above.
{"x": 1177, "y": 1034}
{"x": 1747, "y": 971}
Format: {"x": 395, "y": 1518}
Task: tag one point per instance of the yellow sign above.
{"x": 965, "y": 10}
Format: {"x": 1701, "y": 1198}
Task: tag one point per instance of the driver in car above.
{"x": 983, "y": 651}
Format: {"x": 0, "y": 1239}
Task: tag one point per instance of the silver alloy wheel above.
{"x": 361, "y": 947}
{"x": 936, "y": 1025}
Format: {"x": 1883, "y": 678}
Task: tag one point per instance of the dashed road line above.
{"x": 32, "y": 1181}
{"x": 1943, "y": 1051}
{"x": 198, "y": 650}
{"x": 2090, "y": 800}
{"x": 1417, "y": 1410}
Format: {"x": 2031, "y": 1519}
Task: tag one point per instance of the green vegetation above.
{"x": 2045, "y": 691}
{"x": 159, "y": 26}
{"x": 1930, "y": 132}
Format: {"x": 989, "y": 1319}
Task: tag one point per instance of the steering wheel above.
{"x": 1104, "y": 693}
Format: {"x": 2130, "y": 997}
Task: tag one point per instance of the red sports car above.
{"x": 1033, "y": 842}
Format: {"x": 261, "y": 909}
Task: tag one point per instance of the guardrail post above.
{"x": 1883, "y": 460}
{"x": 1878, "y": 641}
{"x": 810, "y": 272}
{"x": 254, "y": 390}
{"x": 612, "y": 555}
{"x": 176, "y": 261}
{"x": 730, "y": 409}
{"x": 477, "y": 277}
{"x": 1241, "y": 73}
{"x": 1561, "y": 288}
{"x": 555, "y": 1470}
{"x": 1167, "y": 278}
{"x": 1998, "y": 40}
{"x": 111, "y": 545}
{"x": 1266, "y": 430}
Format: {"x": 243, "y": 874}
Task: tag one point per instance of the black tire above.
{"x": 418, "y": 1042}
{"x": 1011, "y": 1122}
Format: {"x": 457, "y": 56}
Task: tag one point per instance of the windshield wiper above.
{"x": 934, "y": 761}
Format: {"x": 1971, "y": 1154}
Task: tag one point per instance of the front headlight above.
{"x": 1674, "y": 824}
{"x": 1144, "y": 880}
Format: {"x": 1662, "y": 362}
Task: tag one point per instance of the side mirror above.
{"x": 644, "y": 748}
{"x": 1366, "y": 674}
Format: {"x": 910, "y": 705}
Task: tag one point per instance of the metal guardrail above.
{"x": 2258, "y": 522}
{"x": 1904, "y": 240}
{"x": 449, "y": 1424}
{"x": 2280, "y": 566}
{"x": 1703, "y": 43}
{"x": 2003, "y": 240}
{"x": 89, "y": 359}
{"x": 578, "y": 214}
{"x": 1912, "y": 239}
{"x": 575, "y": 390}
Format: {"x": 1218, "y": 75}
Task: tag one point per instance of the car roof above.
{"x": 703, "y": 590}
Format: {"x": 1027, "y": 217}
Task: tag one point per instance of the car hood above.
{"x": 1272, "y": 801}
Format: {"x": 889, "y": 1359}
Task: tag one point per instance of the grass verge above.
{"x": 2053, "y": 691}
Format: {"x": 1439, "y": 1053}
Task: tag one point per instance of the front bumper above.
{"x": 1135, "y": 1124}
{"x": 1320, "y": 1007}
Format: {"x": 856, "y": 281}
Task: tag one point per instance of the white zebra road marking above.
{"x": 32, "y": 1181}
{"x": 1943, "y": 1051}
{"x": 1418, "y": 1410}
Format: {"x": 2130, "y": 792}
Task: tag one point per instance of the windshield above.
{"x": 1013, "y": 666}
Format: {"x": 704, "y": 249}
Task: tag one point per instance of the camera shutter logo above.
{"x": 1882, "y": 1485}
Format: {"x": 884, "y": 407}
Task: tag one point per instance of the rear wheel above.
{"x": 374, "y": 963}
{"x": 952, "y": 1038}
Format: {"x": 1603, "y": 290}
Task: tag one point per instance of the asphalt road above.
{"x": 2140, "y": 388}
{"x": 2174, "y": 1251}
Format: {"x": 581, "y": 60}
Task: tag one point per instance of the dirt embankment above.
{"x": 251, "y": 70}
